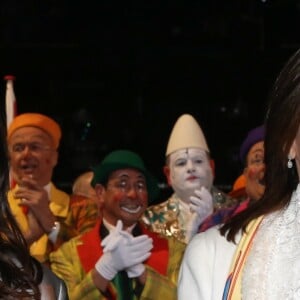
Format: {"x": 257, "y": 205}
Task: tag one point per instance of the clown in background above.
{"x": 44, "y": 213}
{"x": 249, "y": 186}
{"x": 189, "y": 172}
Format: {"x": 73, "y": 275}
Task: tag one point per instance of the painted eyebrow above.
{"x": 257, "y": 151}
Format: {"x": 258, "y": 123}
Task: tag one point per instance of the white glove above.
{"x": 135, "y": 271}
{"x": 122, "y": 251}
{"x": 111, "y": 241}
{"x": 201, "y": 204}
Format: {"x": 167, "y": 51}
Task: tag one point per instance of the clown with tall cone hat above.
{"x": 189, "y": 172}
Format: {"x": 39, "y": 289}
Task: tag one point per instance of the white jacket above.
{"x": 205, "y": 266}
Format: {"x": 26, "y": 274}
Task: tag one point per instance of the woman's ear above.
{"x": 293, "y": 151}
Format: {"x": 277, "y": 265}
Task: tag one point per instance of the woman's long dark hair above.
{"x": 282, "y": 124}
{"x": 20, "y": 274}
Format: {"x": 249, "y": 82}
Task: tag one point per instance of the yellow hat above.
{"x": 36, "y": 120}
{"x": 186, "y": 133}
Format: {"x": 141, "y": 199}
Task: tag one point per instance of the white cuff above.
{"x": 136, "y": 270}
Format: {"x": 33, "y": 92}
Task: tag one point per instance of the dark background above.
{"x": 118, "y": 74}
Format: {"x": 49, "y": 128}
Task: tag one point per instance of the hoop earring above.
{"x": 289, "y": 163}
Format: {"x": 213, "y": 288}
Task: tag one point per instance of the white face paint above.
{"x": 190, "y": 170}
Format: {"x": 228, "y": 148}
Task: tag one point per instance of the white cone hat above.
{"x": 186, "y": 133}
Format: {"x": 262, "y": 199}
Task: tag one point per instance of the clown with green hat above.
{"x": 120, "y": 159}
{"x": 120, "y": 258}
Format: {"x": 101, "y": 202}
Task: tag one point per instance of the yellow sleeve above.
{"x": 65, "y": 264}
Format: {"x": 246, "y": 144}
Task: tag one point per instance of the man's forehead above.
{"x": 257, "y": 147}
{"x": 29, "y": 133}
{"x": 187, "y": 152}
{"x": 127, "y": 172}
